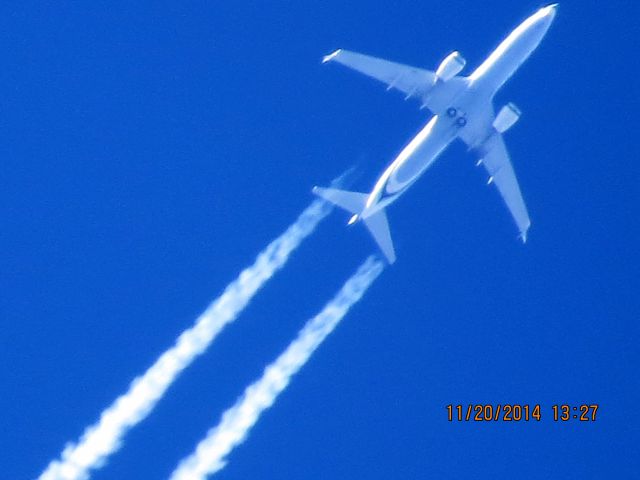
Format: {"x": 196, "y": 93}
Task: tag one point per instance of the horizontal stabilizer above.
{"x": 353, "y": 202}
{"x": 379, "y": 228}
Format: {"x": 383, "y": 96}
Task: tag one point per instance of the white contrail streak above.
{"x": 104, "y": 437}
{"x": 210, "y": 454}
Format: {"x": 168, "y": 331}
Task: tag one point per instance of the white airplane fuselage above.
{"x": 460, "y": 116}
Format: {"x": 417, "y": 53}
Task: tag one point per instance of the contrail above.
{"x": 210, "y": 454}
{"x": 104, "y": 437}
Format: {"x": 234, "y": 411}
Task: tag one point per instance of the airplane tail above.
{"x": 354, "y": 202}
{"x": 379, "y": 228}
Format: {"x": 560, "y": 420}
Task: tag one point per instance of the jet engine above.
{"x": 508, "y": 115}
{"x": 450, "y": 67}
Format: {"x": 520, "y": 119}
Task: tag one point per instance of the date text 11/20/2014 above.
{"x": 521, "y": 412}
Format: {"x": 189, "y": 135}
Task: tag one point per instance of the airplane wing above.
{"x": 495, "y": 159}
{"x": 412, "y": 81}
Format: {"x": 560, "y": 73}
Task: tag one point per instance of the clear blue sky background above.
{"x": 149, "y": 152}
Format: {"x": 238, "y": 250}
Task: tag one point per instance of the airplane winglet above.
{"x": 331, "y": 56}
{"x": 523, "y": 237}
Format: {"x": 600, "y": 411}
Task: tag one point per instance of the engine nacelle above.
{"x": 450, "y": 66}
{"x": 508, "y": 115}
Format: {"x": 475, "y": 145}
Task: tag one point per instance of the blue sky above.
{"x": 149, "y": 152}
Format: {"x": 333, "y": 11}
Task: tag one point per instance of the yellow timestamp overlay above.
{"x": 513, "y": 412}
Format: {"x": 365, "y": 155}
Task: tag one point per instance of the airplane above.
{"x": 462, "y": 108}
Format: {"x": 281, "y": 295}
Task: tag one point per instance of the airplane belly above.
{"x": 421, "y": 152}
{"x": 513, "y": 51}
